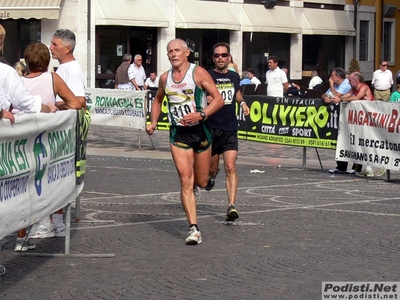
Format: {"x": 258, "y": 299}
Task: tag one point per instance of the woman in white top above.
{"x": 48, "y": 85}
{"x": 41, "y": 82}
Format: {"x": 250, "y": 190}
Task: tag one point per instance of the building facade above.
{"x": 306, "y": 35}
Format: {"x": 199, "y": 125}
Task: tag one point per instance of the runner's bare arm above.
{"x": 240, "y": 100}
{"x": 61, "y": 89}
{"x": 205, "y": 81}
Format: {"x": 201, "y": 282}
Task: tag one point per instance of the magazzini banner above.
{"x": 37, "y": 168}
{"x": 369, "y": 134}
{"x": 117, "y": 107}
{"x": 288, "y": 121}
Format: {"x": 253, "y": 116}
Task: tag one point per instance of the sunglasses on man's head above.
{"x": 224, "y": 55}
{"x": 384, "y": 65}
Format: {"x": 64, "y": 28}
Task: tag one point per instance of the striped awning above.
{"x": 29, "y": 9}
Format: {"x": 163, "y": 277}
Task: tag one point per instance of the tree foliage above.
{"x": 354, "y": 66}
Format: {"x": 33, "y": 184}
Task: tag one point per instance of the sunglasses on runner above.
{"x": 224, "y": 55}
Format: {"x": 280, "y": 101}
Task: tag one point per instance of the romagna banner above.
{"x": 117, "y": 107}
{"x": 37, "y": 168}
{"x": 289, "y": 121}
{"x": 369, "y": 134}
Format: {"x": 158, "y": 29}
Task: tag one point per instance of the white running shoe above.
{"x": 23, "y": 245}
{"x": 59, "y": 231}
{"x": 40, "y": 231}
{"x": 197, "y": 193}
{"x": 194, "y": 237}
{"x": 367, "y": 172}
{"x": 336, "y": 171}
{"x": 379, "y": 171}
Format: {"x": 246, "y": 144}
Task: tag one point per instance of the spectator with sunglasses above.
{"x": 382, "y": 81}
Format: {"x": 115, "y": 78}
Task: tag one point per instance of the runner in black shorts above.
{"x": 185, "y": 85}
{"x": 224, "y": 140}
{"x": 198, "y": 137}
{"x": 225, "y": 126}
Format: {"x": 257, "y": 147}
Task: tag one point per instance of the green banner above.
{"x": 288, "y": 121}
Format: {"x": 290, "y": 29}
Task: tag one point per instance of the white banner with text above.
{"x": 37, "y": 167}
{"x": 369, "y": 134}
{"x": 117, "y": 107}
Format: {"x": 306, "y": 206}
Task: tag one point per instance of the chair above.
{"x": 107, "y": 84}
{"x": 248, "y": 89}
{"x": 261, "y": 89}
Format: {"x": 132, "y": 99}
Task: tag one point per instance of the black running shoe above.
{"x": 232, "y": 214}
{"x": 210, "y": 184}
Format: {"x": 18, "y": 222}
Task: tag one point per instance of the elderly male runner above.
{"x": 185, "y": 85}
{"x": 225, "y": 125}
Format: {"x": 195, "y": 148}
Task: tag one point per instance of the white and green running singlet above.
{"x": 184, "y": 97}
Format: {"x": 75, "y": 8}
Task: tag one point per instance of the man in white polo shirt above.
{"x": 276, "y": 78}
{"x": 382, "y": 81}
{"x": 136, "y": 73}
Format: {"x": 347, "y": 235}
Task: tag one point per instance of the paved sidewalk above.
{"x": 297, "y": 228}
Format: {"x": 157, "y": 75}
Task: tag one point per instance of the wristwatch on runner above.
{"x": 203, "y": 115}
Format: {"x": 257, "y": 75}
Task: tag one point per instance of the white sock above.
{"x": 46, "y": 222}
{"x": 58, "y": 220}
